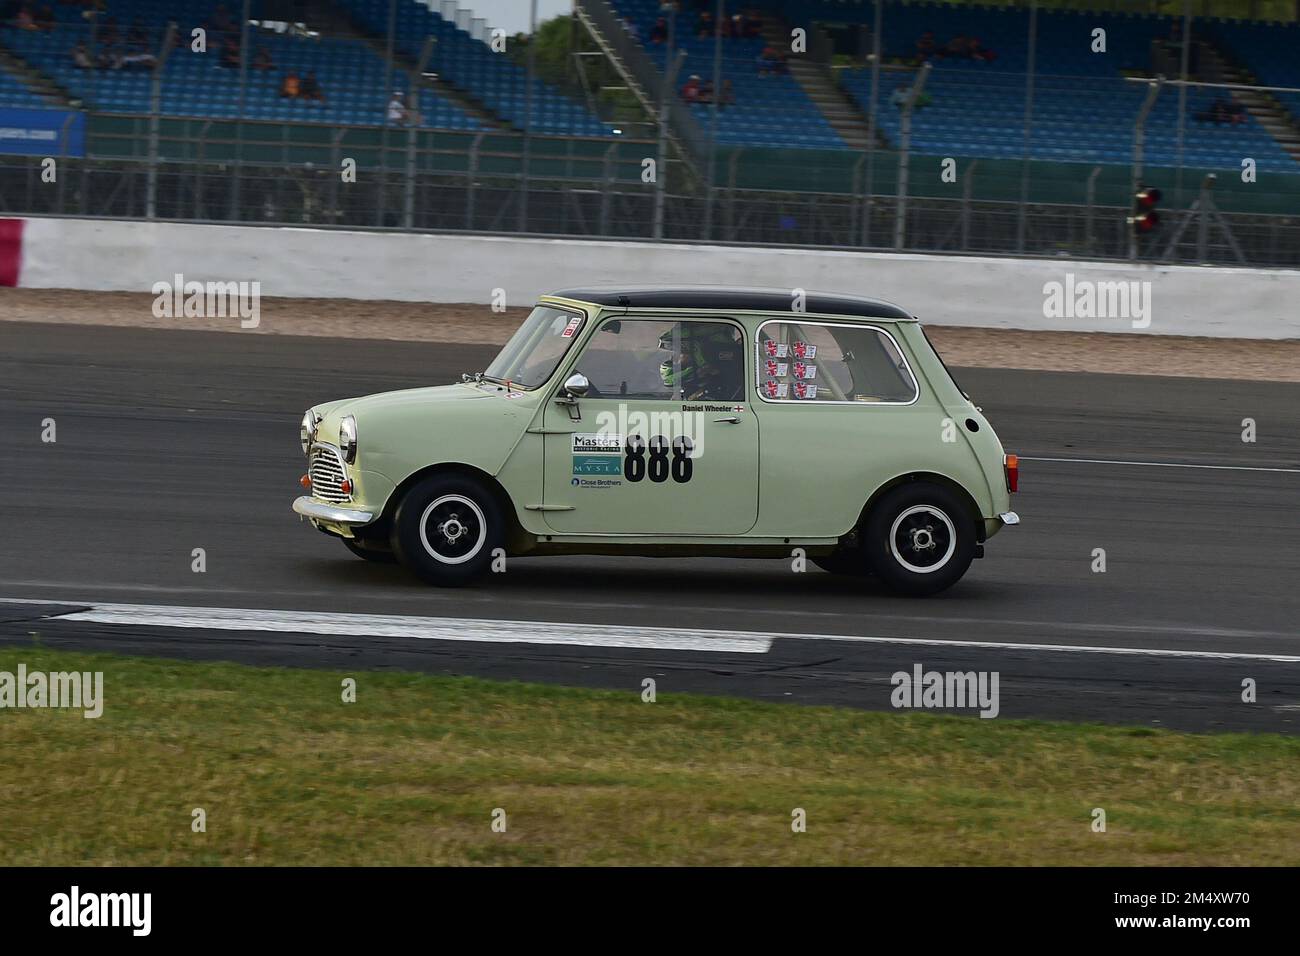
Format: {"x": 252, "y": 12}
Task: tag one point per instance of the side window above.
{"x": 665, "y": 359}
{"x": 826, "y": 362}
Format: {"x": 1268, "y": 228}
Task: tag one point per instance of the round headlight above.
{"x": 348, "y": 439}
{"x": 307, "y": 431}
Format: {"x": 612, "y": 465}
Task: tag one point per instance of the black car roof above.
{"x": 740, "y": 299}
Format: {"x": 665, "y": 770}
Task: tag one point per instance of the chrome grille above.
{"x": 327, "y": 474}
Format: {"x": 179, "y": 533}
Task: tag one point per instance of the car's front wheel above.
{"x": 446, "y": 528}
{"x": 920, "y": 538}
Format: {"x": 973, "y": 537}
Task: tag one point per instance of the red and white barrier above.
{"x": 11, "y": 251}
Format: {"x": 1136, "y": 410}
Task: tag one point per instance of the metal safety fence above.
{"x": 1040, "y": 184}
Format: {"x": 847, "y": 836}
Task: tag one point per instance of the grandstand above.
{"x": 789, "y": 154}
{"x": 1084, "y": 108}
{"x": 1083, "y": 111}
{"x": 768, "y": 110}
{"x": 15, "y": 93}
{"x": 352, "y": 72}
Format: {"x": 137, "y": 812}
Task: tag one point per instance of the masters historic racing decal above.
{"x": 597, "y": 454}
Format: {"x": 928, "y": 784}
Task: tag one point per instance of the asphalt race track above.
{"x": 170, "y": 441}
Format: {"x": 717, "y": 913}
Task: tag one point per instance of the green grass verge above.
{"x": 411, "y": 773}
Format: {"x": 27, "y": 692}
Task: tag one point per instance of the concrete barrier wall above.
{"x": 941, "y": 290}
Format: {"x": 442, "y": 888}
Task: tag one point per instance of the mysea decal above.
{"x": 74, "y": 908}
{"x": 597, "y": 454}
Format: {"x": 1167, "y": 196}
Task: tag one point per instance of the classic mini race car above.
{"x": 733, "y": 422}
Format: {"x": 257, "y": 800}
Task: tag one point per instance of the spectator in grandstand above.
{"x": 978, "y": 52}
{"x": 958, "y": 48}
{"x": 108, "y": 31}
{"x": 262, "y": 60}
{"x": 925, "y": 46}
{"x": 629, "y": 25}
{"x": 81, "y": 57}
{"x": 26, "y": 18}
{"x": 901, "y": 93}
{"x": 44, "y": 18}
{"x": 290, "y": 86}
{"x": 704, "y": 25}
{"x": 222, "y": 21}
{"x": 110, "y": 57}
{"x": 766, "y": 61}
{"x": 728, "y": 96}
{"x": 659, "y": 32}
{"x": 771, "y": 60}
{"x": 691, "y": 89}
{"x": 230, "y": 53}
{"x": 138, "y": 59}
{"x": 138, "y": 34}
{"x": 311, "y": 88}
{"x": 1223, "y": 112}
{"x": 706, "y": 92}
{"x": 397, "y": 111}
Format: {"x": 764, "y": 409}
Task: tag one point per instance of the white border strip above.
{"x": 425, "y": 628}
{"x": 478, "y": 630}
{"x": 1164, "y": 464}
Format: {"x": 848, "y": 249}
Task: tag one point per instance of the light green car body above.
{"x": 783, "y": 475}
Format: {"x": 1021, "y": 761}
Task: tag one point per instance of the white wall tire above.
{"x": 453, "y": 529}
{"x": 446, "y": 529}
{"x": 920, "y": 538}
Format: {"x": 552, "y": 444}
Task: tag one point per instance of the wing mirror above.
{"x": 576, "y": 386}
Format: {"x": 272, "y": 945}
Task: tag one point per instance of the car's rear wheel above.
{"x": 446, "y": 528}
{"x": 920, "y": 538}
{"x": 380, "y": 555}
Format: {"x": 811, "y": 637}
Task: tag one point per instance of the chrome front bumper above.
{"x": 309, "y": 507}
{"x": 1009, "y": 518}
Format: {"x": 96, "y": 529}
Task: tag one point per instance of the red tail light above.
{"x": 1013, "y": 472}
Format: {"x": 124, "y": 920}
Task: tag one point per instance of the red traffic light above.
{"x": 1147, "y": 198}
{"x": 1147, "y": 221}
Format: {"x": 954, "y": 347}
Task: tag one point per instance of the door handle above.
{"x": 733, "y": 420}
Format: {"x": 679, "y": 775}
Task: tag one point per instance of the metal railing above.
{"x": 241, "y": 170}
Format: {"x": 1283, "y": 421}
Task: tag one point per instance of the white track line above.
{"x": 425, "y": 628}
{"x": 543, "y": 632}
{"x": 1165, "y": 464}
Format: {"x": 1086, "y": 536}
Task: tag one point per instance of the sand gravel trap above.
{"x": 412, "y": 321}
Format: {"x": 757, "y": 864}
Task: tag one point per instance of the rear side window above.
{"x": 830, "y": 362}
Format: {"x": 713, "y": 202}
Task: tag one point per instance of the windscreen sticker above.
{"x": 804, "y": 370}
{"x": 776, "y": 349}
{"x": 774, "y": 389}
{"x": 804, "y": 351}
{"x": 805, "y": 390}
{"x": 571, "y": 328}
{"x": 776, "y": 369}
